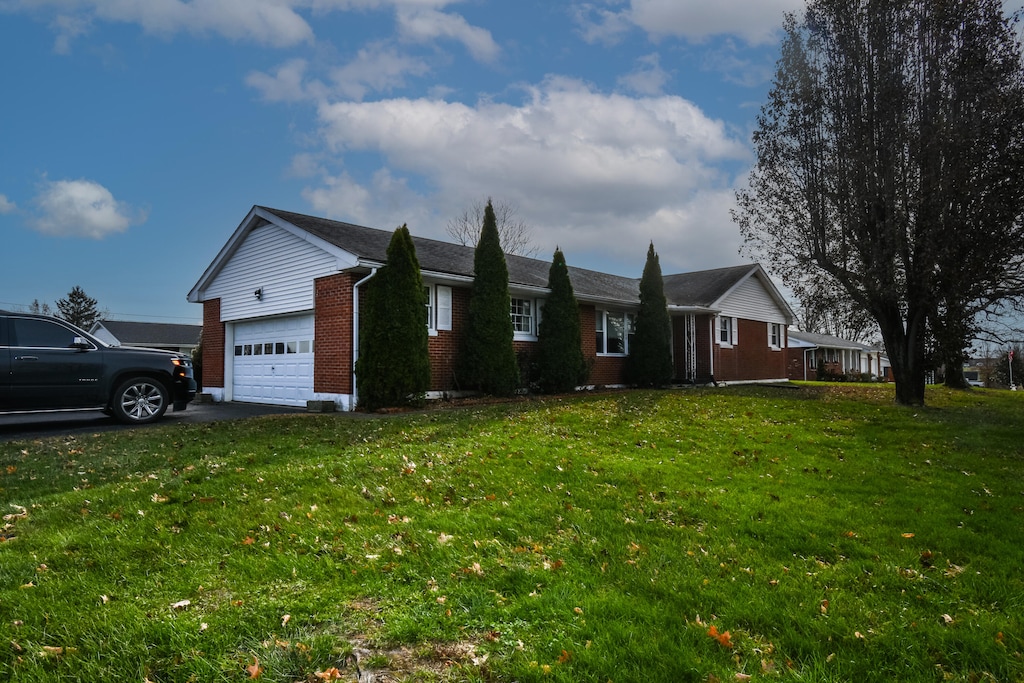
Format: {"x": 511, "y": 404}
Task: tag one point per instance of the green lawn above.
{"x": 817, "y": 533}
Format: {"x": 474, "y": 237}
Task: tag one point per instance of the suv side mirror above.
{"x": 80, "y": 343}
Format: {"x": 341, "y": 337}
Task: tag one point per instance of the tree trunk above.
{"x": 905, "y": 347}
{"x": 954, "y": 376}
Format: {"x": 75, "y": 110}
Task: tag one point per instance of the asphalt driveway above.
{"x": 38, "y": 425}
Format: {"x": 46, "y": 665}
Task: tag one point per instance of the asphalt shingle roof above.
{"x": 153, "y": 334}
{"x": 699, "y": 289}
{"x": 827, "y": 340}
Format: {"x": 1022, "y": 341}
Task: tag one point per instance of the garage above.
{"x": 273, "y": 361}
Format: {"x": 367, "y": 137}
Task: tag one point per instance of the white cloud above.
{"x": 6, "y": 205}
{"x": 754, "y": 21}
{"x": 268, "y": 22}
{"x": 648, "y": 78}
{"x": 286, "y": 84}
{"x": 378, "y": 68}
{"x": 427, "y": 25}
{"x": 589, "y": 170}
{"x": 81, "y": 208}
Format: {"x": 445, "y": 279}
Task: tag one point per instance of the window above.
{"x": 522, "y": 317}
{"x": 726, "y": 330}
{"x": 41, "y": 334}
{"x": 439, "y": 307}
{"x": 614, "y": 331}
{"x": 775, "y": 335}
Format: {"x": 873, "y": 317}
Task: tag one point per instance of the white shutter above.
{"x": 735, "y": 330}
{"x": 444, "y": 307}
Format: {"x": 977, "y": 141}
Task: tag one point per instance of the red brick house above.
{"x": 281, "y": 310}
{"x": 811, "y": 356}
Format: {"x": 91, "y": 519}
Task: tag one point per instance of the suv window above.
{"x": 40, "y": 334}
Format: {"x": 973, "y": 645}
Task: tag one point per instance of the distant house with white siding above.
{"x": 281, "y": 309}
{"x": 814, "y": 356}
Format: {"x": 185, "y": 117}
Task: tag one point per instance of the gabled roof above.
{"x": 705, "y": 288}
{"x": 828, "y": 341}
{"x": 150, "y": 334}
{"x": 357, "y": 246}
{"x": 446, "y": 258}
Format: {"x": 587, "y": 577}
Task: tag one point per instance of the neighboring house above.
{"x": 281, "y": 304}
{"x": 167, "y": 336}
{"x": 810, "y": 354}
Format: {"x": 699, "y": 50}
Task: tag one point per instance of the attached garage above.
{"x": 273, "y": 361}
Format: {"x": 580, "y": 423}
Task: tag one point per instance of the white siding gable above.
{"x": 750, "y": 300}
{"x": 274, "y": 260}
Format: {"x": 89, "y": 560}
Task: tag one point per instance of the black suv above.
{"x": 49, "y": 364}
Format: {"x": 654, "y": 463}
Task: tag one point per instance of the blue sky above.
{"x": 136, "y": 134}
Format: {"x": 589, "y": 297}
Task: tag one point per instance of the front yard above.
{"x": 762, "y": 533}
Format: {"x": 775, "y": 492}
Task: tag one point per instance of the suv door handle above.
{"x": 26, "y": 358}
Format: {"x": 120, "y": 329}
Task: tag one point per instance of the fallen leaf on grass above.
{"x": 946, "y": 619}
{"x": 285, "y": 619}
{"x": 724, "y": 639}
{"x": 742, "y": 677}
{"x": 181, "y": 604}
{"x": 331, "y": 674}
{"x": 254, "y": 670}
{"x": 564, "y": 657}
{"x": 907, "y": 535}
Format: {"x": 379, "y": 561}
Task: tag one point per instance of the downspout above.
{"x": 711, "y": 351}
{"x": 355, "y": 333}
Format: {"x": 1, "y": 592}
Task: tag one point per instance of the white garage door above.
{"x": 273, "y": 361}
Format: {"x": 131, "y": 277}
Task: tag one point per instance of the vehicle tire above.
{"x": 139, "y": 400}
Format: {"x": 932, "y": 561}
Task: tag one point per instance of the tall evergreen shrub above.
{"x": 488, "y": 359}
{"x": 560, "y": 364}
{"x": 393, "y": 368}
{"x": 650, "y": 353}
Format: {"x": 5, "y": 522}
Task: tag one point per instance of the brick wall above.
{"x": 213, "y": 345}
{"x": 444, "y": 346}
{"x": 603, "y": 369}
{"x": 332, "y": 365}
{"x": 795, "y": 360}
{"x": 751, "y": 358}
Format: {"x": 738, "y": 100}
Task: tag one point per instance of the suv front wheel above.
{"x": 139, "y": 400}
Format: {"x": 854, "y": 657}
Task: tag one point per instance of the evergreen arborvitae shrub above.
{"x": 559, "y": 363}
{"x": 488, "y": 360}
{"x": 650, "y": 352}
{"x": 393, "y": 368}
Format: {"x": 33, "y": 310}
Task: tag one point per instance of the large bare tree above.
{"x": 890, "y": 161}
{"x": 516, "y": 236}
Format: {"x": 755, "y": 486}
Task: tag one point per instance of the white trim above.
{"x": 443, "y": 307}
{"x": 354, "y": 397}
{"x": 343, "y": 259}
{"x": 229, "y": 360}
{"x": 534, "y": 317}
